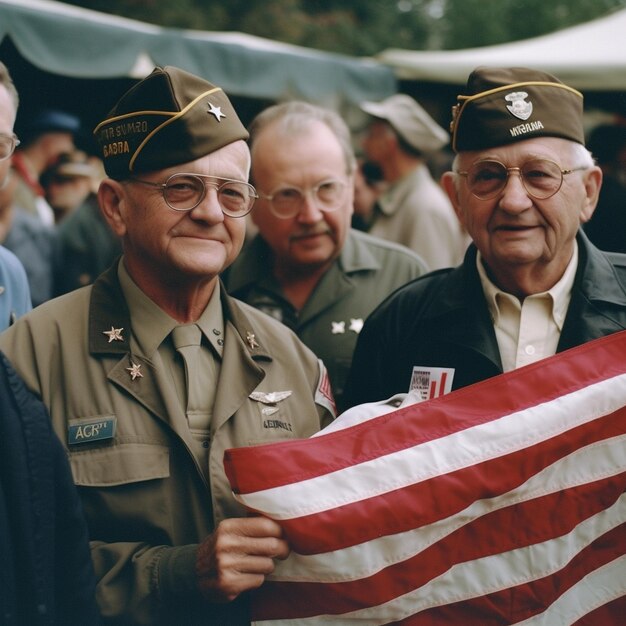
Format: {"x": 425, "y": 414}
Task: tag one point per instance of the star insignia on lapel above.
{"x": 337, "y": 328}
{"x": 251, "y": 339}
{"x": 270, "y": 397}
{"x": 115, "y": 334}
{"x": 356, "y": 325}
{"x": 135, "y": 370}
{"x": 216, "y": 111}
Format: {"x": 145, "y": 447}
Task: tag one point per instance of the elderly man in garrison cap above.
{"x": 153, "y": 371}
{"x": 413, "y": 210}
{"x": 531, "y": 284}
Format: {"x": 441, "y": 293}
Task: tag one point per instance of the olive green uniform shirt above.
{"x": 147, "y": 500}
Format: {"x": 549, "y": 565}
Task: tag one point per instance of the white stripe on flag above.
{"x": 601, "y": 586}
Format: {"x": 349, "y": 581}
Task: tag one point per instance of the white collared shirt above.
{"x": 530, "y": 330}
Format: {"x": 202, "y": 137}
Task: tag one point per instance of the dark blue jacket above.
{"x": 46, "y": 574}
{"x": 442, "y": 320}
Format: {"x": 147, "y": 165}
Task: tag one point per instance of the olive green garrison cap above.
{"x": 169, "y": 117}
{"x": 505, "y": 105}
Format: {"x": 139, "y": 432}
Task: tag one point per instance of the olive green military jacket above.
{"x": 147, "y": 502}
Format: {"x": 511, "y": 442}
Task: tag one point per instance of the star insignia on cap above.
{"x": 337, "y": 328}
{"x": 356, "y": 325}
{"x": 115, "y": 334}
{"x": 135, "y": 370}
{"x": 251, "y": 339}
{"x": 217, "y": 111}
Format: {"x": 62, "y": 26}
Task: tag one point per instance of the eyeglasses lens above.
{"x": 7, "y": 145}
{"x": 328, "y": 196}
{"x": 541, "y": 178}
{"x": 184, "y": 192}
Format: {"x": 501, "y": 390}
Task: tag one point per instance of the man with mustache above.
{"x": 306, "y": 267}
{"x": 532, "y": 284}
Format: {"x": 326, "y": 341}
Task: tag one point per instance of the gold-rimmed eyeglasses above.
{"x": 8, "y": 143}
{"x": 184, "y": 192}
{"x": 542, "y": 178}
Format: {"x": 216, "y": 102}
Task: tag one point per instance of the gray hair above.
{"x": 291, "y": 117}
{"x": 7, "y": 82}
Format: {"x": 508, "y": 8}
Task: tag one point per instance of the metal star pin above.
{"x": 135, "y": 370}
{"x": 251, "y": 339}
{"x": 338, "y": 328}
{"x": 356, "y": 325}
{"x": 217, "y": 111}
{"x": 115, "y": 334}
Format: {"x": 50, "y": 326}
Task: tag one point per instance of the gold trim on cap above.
{"x": 167, "y": 122}
{"x": 463, "y": 101}
{"x": 174, "y": 115}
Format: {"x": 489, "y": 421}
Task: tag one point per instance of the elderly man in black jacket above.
{"x": 531, "y": 284}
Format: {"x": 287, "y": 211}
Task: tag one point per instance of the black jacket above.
{"x": 442, "y": 320}
{"x": 46, "y": 574}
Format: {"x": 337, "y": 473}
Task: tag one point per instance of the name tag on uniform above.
{"x": 88, "y": 431}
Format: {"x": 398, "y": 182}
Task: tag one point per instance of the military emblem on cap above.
{"x": 519, "y": 107}
{"x": 217, "y": 111}
{"x": 545, "y": 106}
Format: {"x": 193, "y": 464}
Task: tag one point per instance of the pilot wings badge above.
{"x": 271, "y": 397}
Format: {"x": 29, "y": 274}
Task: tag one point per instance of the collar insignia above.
{"x": 356, "y": 325}
{"x": 115, "y": 334}
{"x": 251, "y": 339}
{"x": 134, "y": 370}
{"x": 337, "y": 328}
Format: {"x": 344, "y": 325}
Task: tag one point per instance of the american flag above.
{"x": 500, "y": 503}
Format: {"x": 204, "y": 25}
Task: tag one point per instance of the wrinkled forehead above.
{"x": 515, "y": 154}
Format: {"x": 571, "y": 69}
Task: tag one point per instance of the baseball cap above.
{"x": 410, "y": 121}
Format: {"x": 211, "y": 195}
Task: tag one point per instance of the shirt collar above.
{"x": 151, "y": 325}
{"x": 560, "y": 294}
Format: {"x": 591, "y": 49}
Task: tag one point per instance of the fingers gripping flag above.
{"x": 501, "y": 503}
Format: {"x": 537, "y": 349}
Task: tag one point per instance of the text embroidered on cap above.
{"x": 522, "y": 129}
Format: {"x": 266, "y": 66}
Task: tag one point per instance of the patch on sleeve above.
{"x": 324, "y": 393}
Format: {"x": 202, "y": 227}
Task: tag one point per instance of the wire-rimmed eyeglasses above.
{"x": 184, "y": 192}
{"x": 286, "y": 202}
{"x": 8, "y": 143}
{"x": 542, "y": 178}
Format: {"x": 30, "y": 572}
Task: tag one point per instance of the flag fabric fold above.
{"x": 500, "y": 503}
